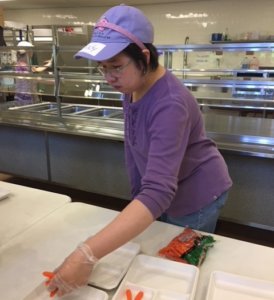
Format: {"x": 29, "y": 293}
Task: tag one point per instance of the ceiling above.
{"x": 31, "y": 4}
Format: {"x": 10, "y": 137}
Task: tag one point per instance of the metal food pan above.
{"x": 119, "y": 115}
{"x": 101, "y": 112}
{"x": 38, "y": 107}
{"x": 75, "y": 109}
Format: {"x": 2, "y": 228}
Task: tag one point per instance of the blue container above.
{"x": 216, "y": 37}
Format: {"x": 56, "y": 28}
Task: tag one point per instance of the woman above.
{"x": 25, "y": 89}
{"x": 176, "y": 172}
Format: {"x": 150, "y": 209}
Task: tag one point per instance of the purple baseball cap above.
{"x": 117, "y": 28}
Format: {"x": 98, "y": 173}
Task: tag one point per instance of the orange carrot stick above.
{"x": 52, "y": 293}
{"x": 128, "y": 294}
{"x": 50, "y": 275}
{"x": 46, "y": 283}
{"x": 139, "y": 296}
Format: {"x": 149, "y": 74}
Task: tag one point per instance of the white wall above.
{"x": 239, "y": 16}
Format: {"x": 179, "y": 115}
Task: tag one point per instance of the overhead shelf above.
{"x": 220, "y": 46}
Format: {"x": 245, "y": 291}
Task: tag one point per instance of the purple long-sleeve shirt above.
{"x": 24, "y": 88}
{"x": 172, "y": 165}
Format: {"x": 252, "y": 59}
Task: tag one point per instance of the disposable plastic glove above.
{"x": 74, "y": 272}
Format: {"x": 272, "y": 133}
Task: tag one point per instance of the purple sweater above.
{"x": 172, "y": 165}
{"x": 24, "y": 87}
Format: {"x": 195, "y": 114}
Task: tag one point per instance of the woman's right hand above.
{"x": 74, "y": 272}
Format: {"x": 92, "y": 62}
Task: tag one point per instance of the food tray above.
{"x": 226, "y": 286}
{"x": 159, "y": 279}
{"x": 3, "y": 193}
{"x": 110, "y": 270}
{"x": 84, "y": 293}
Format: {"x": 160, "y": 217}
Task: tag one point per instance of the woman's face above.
{"x": 122, "y": 74}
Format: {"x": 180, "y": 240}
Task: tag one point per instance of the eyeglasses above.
{"x": 114, "y": 71}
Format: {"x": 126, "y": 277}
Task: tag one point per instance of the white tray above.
{"x": 3, "y": 193}
{"x": 110, "y": 270}
{"x": 159, "y": 279}
{"x": 84, "y": 293}
{"x": 226, "y": 286}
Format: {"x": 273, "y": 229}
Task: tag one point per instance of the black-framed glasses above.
{"x": 114, "y": 71}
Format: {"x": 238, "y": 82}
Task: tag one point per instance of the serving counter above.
{"x": 243, "y": 135}
{"x": 46, "y": 243}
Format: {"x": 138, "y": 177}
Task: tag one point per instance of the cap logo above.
{"x": 105, "y": 24}
{"x": 102, "y": 22}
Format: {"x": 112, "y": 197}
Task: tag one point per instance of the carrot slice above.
{"x": 139, "y": 296}
{"x": 52, "y": 293}
{"x": 46, "y": 283}
{"x": 50, "y": 275}
{"x": 128, "y": 294}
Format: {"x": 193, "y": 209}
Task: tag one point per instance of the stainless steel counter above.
{"x": 94, "y": 127}
{"x": 243, "y": 135}
{"x": 87, "y": 153}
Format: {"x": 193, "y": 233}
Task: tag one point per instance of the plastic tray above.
{"x": 3, "y": 193}
{"x": 84, "y": 293}
{"x": 110, "y": 270}
{"x": 159, "y": 279}
{"x": 226, "y": 286}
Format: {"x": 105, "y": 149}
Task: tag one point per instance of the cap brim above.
{"x": 99, "y": 51}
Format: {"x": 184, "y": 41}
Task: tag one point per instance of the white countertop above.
{"x": 44, "y": 245}
{"x": 23, "y": 207}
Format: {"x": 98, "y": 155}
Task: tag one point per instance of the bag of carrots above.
{"x": 188, "y": 247}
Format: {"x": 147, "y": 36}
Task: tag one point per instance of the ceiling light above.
{"x": 187, "y": 16}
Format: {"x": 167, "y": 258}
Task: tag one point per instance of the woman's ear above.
{"x": 147, "y": 55}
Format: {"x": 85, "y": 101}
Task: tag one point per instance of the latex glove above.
{"x": 74, "y": 272}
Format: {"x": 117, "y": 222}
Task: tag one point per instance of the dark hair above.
{"x": 136, "y": 54}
